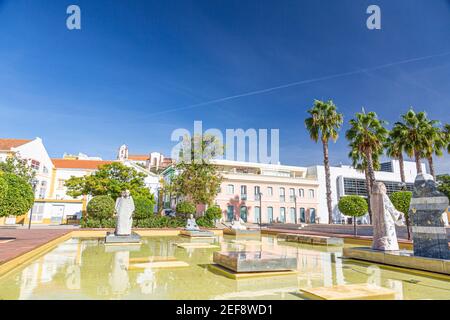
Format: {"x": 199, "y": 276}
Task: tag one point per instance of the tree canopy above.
{"x": 18, "y": 167}
{"x": 111, "y": 180}
{"x": 17, "y": 195}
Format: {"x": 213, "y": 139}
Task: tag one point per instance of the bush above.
{"x": 17, "y": 195}
{"x": 354, "y": 206}
{"x": 185, "y": 208}
{"x": 205, "y": 222}
{"x": 101, "y": 208}
{"x": 213, "y": 213}
{"x": 143, "y": 207}
{"x": 401, "y": 201}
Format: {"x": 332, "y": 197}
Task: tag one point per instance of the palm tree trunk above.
{"x": 418, "y": 164}
{"x": 402, "y": 167}
{"x": 327, "y": 180}
{"x": 370, "y": 169}
{"x": 369, "y": 191}
{"x": 431, "y": 165}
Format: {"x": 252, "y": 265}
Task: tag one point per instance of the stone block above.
{"x": 362, "y": 291}
{"x": 254, "y": 261}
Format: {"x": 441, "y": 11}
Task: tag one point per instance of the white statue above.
{"x": 385, "y": 217}
{"x": 124, "y": 214}
{"x": 238, "y": 224}
{"x": 191, "y": 224}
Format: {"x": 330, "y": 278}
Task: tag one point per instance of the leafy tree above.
{"x": 185, "y": 208}
{"x": 401, "y": 201}
{"x": 111, "y": 180}
{"x": 324, "y": 124}
{"x": 101, "y": 208}
{"x": 198, "y": 179}
{"x": 18, "y": 198}
{"x": 395, "y": 147}
{"x": 19, "y": 167}
{"x": 354, "y": 206}
{"x": 443, "y": 182}
{"x": 367, "y": 136}
{"x": 143, "y": 207}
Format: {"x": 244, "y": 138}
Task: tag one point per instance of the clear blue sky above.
{"x": 117, "y": 80}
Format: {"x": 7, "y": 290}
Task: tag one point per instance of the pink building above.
{"x": 267, "y": 193}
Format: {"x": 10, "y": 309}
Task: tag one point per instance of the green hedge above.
{"x": 154, "y": 221}
{"x": 401, "y": 201}
{"x": 101, "y": 208}
{"x": 17, "y": 195}
{"x": 143, "y": 208}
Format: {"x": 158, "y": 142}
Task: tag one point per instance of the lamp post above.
{"x": 33, "y": 186}
{"x": 260, "y": 209}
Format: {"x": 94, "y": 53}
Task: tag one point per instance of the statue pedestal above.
{"x": 133, "y": 238}
{"x": 254, "y": 261}
{"x": 197, "y": 233}
{"x": 242, "y": 232}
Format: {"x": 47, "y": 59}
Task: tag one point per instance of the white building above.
{"x": 346, "y": 180}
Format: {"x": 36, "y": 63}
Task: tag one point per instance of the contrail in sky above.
{"x": 297, "y": 83}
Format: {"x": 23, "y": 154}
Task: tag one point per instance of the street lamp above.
{"x": 34, "y": 183}
{"x": 260, "y": 209}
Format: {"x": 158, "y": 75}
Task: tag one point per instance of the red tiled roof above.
{"x": 79, "y": 164}
{"x": 138, "y": 157}
{"x": 7, "y": 144}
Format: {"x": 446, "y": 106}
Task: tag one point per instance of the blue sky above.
{"x": 119, "y": 79}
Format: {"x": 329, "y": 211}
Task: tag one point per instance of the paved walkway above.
{"x": 26, "y": 240}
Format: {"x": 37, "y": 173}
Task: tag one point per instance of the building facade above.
{"x": 346, "y": 180}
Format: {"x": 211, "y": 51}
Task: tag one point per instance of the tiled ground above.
{"x": 26, "y": 240}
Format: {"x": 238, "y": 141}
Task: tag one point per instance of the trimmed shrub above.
{"x": 354, "y": 206}
{"x": 205, "y": 222}
{"x": 184, "y": 209}
{"x": 17, "y": 195}
{"x": 213, "y": 213}
{"x": 101, "y": 208}
{"x": 401, "y": 201}
{"x": 143, "y": 207}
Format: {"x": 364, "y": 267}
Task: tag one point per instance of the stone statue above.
{"x": 426, "y": 209}
{"x": 238, "y": 224}
{"x": 385, "y": 217}
{"x": 124, "y": 214}
{"x": 191, "y": 224}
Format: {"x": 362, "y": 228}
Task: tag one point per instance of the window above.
{"x": 302, "y": 215}
{"x": 282, "y": 195}
{"x": 61, "y": 183}
{"x": 269, "y": 191}
{"x": 312, "y": 215}
{"x": 311, "y": 193}
{"x": 257, "y": 192}
{"x": 35, "y": 164}
{"x": 42, "y": 190}
{"x": 230, "y": 189}
{"x": 257, "y": 214}
{"x": 243, "y": 213}
{"x": 301, "y": 193}
{"x": 38, "y": 212}
{"x": 44, "y": 169}
{"x": 270, "y": 214}
{"x": 293, "y": 214}
{"x": 282, "y": 215}
{"x": 292, "y": 194}
{"x": 244, "y": 192}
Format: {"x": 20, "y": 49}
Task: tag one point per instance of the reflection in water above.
{"x": 86, "y": 269}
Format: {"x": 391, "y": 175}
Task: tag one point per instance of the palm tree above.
{"x": 359, "y": 162}
{"x": 414, "y": 128}
{"x": 324, "y": 124}
{"x": 367, "y": 135}
{"x": 446, "y": 133}
{"x": 433, "y": 143}
{"x": 395, "y": 146}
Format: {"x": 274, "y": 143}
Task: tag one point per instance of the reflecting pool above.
{"x": 87, "y": 269}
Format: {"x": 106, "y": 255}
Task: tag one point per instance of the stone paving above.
{"x": 26, "y": 240}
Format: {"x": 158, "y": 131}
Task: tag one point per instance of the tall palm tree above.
{"x": 324, "y": 124}
{"x": 414, "y": 126}
{"x": 446, "y": 133}
{"x": 367, "y": 135}
{"x": 433, "y": 143}
{"x": 395, "y": 146}
{"x": 359, "y": 162}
